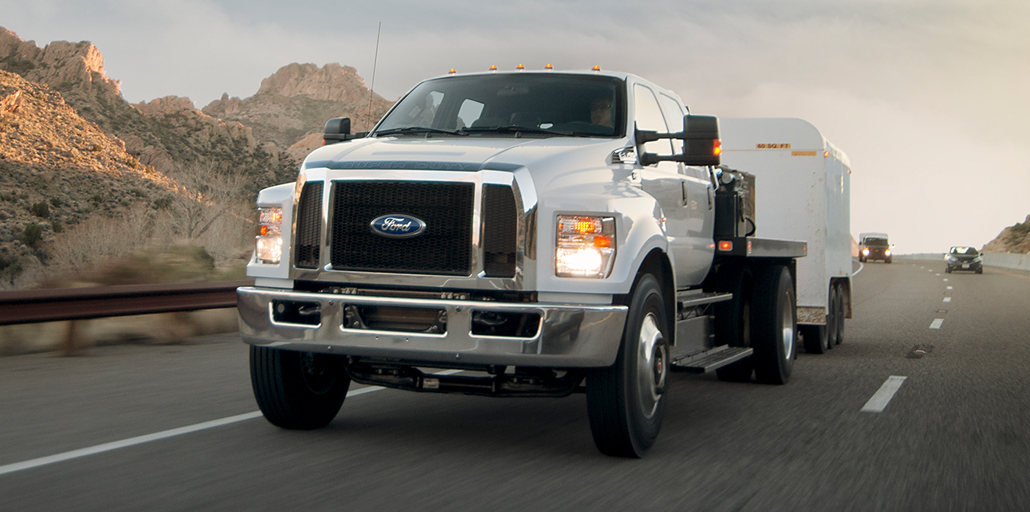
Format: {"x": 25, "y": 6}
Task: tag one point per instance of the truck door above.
{"x": 699, "y": 204}
{"x": 665, "y": 182}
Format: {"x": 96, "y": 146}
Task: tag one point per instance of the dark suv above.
{"x": 875, "y": 247}
{"x": 964, "y": 258}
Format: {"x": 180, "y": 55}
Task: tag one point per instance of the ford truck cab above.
{"x": 536, "y": 231}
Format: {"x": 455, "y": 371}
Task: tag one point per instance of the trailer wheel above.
{"x": 297, "y": 390}
{"x": 815, "y": 337}
{"x": 775, "y": 325}
{"x": 733, "y": 327}
{"x": 626, "y": 401}
{"x": 841, "y": 314}
{"x": 834, "y": 318}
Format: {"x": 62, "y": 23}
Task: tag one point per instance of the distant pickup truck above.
{"x": 874, "y": 246}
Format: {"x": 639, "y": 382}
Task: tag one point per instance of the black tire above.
{"x": 774, "y": 323}
{"x": 296, "y": 390}
{"x": 888, "y": 260}
{"x": 841, "y": 315}
{"x": 833, "y": 318}
{"x": 733, "y": 327}
{"x": 947, "y": 270}
{"x": 625, "y": 401}
{"x": 980, "y": 271}
{"x": 815, "y": 338}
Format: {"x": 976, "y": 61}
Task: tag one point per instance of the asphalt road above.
{"x": 954, "y": 436}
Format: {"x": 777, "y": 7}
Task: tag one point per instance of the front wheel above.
{"x": 626, "y": 401}
{"x": 775, "y": 325}
{"x": 297, "y": 390}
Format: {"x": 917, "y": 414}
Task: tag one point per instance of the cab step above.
{"x": 710, "y": 360}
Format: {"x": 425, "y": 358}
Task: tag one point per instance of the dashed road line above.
{"x": 158, "y": 436}
{"x": 936, "y": 324}
{"x": 883, "y": 396}
{"x": 947, "y": 299}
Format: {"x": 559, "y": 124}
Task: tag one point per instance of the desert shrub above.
{"x": 56, "y": 202}
{"x": 56, "y": 226}
{"x": 41, "y": 210}
{"x": 32, "y": 235}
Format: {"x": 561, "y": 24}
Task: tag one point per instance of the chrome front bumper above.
{"x": 568, "y": 336}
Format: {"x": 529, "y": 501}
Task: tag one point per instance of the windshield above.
{"x": 506, "y": 104}
{"x": 969, "y": 251}
{"x": 876, "y": 242}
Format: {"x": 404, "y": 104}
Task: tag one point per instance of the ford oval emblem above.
{"x": 398, "y": 226}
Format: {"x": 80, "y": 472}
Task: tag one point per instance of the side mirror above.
{"x": 701, "y": 144}
{"x": 336, "y": 130}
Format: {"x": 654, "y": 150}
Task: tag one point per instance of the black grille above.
{"x": 309, "y": 225}
{"x": 500, "y": 226}
{"x": 443, "y": 248}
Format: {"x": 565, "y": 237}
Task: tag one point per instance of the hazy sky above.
{"x": 928, "y": 98}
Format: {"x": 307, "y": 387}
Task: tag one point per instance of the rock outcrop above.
{"x": 293, "y": 104}
{"x": 1013, "y": 239}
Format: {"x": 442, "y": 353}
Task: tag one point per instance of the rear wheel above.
{"x": 297, "y": 390}
{"x": 626, "y": 401}
{"x": 841, "y": 314}
{"x": 775, "y": 325}
{"x": 733, "y": 327}
{"x": 815, "y": 337}
{"x": 833, "y": 318}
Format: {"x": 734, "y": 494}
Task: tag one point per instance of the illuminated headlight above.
{"x": 585, "y": 246}
{"x": 865, "y": 252}
{"x": 269, "y": 240}
{"x": 887, "y": 252}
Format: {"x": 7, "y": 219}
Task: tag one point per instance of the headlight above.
{"x": 865, "y": 252}
{"x": 952, "y": 258}
{"x": 887, "y": 252}
{"x": 269, "y": 240}
{"x": 585, "y": 246}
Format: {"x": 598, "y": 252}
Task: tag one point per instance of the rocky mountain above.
{"x": 57, "y": 170}
{"x": 1014, "y": 239}
{"x": 160, "y": 133}
{"x": 292, "y": 106}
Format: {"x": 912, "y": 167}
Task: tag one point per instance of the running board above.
{"x": 711, "y": 359}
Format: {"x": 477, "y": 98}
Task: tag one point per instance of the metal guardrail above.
{"x": 34, "y": 306}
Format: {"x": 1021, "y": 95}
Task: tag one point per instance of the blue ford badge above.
{"x": 398, "y": 226}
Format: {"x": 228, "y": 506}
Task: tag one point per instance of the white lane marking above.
{"x": 936, "y": 324}
{"x": 947, "y": 299}
{"x": 133, "y": 441}
{"x": 951, "y": 287}
{"x": 883, "y": 396}
{"x": 945, "y": 279}
{"x": 860, "y": 267}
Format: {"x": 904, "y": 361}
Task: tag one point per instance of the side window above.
{"x": 648, "y": 116}
{"x": 468, "y": 113}
{"x": 673, "y": 112}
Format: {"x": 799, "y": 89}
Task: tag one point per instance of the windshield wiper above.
{"x": 417, "y": 129}
{"x": 516, "y": 129}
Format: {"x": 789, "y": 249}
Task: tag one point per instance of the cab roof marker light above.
{"x": 520, "y": 67}
{"x": 493, "y": 69}
{"x": 549, "y": 67}
{"x": 452, "y": 72}
{"x": 596, "y": 69}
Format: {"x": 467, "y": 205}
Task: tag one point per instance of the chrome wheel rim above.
{"x": 787, "y": 333}
{"x": 652, "y": 365}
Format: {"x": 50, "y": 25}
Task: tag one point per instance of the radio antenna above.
{"x": 371, "y": 90}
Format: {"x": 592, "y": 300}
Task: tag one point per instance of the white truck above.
{"x": 528, "y": 233}
{"x": 790, "y": 158}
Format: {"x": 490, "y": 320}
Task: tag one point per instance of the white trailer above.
{"x": 790, "y": 158}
